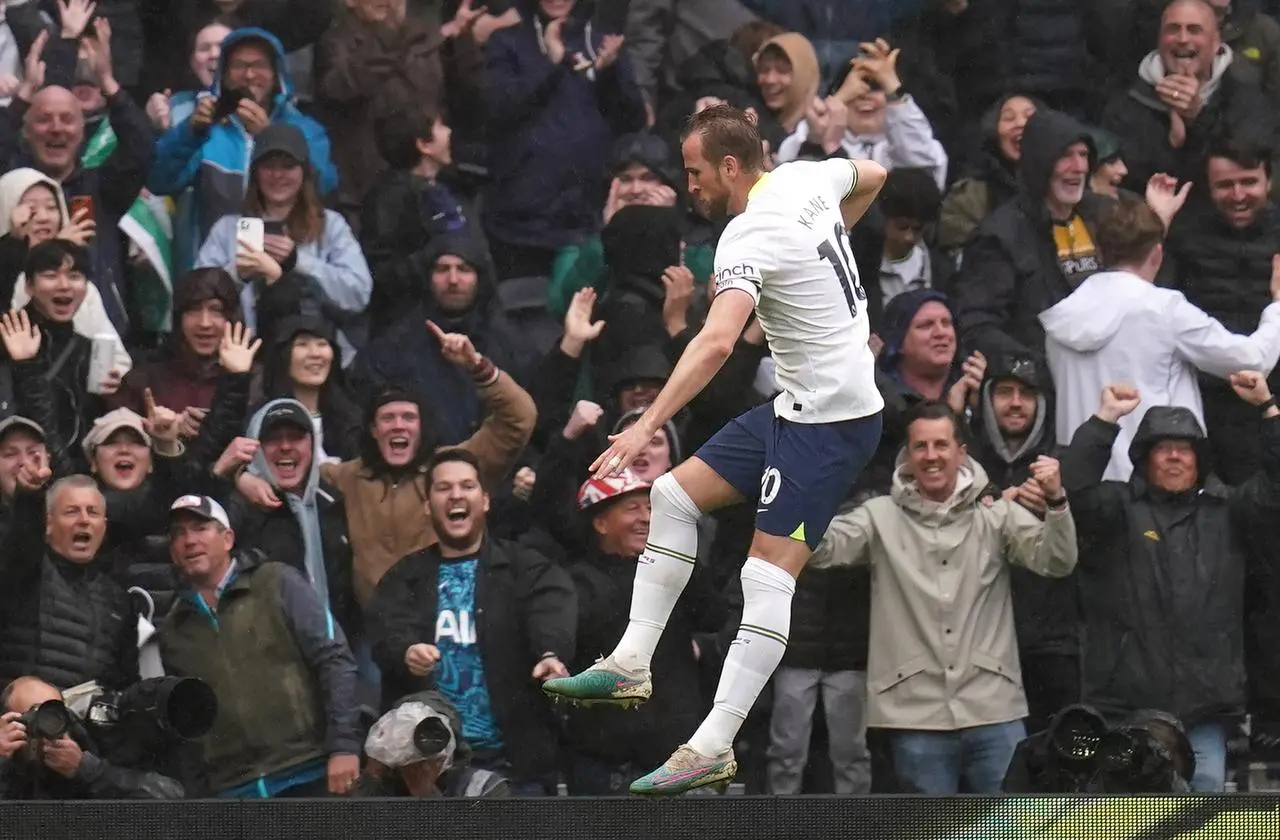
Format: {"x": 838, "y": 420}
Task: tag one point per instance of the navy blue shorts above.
{"x": 798, "y": 473}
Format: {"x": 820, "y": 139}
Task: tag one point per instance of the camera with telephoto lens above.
{"x": 1080, "y": 753}
{"x": 48, "y": 721}
{"x": 431, "y": 737}
{"x": 183, "y": 707}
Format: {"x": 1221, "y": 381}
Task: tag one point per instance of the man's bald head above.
{"x": 27, "y": 692}
{"x": 1189, "y": 38}
{"x": 52, "y": 96}
{"x": 54, "y": 128}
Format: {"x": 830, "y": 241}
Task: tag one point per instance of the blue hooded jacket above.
{"x": 216, "y": 162}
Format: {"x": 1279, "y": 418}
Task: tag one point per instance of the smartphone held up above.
{"x": 252, "y": 233}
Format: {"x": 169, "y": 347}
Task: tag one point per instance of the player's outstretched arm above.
{"x": 702, "y": 358}
{"x": 868, "y": 179}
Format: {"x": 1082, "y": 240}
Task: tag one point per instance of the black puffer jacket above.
{"x": 1011, "y": 271}
{"x": 1142, "y": 119}
{"x": 64, "y": 622}
{"x": 1163, "y": 586}
{"x": 525, "y": 606}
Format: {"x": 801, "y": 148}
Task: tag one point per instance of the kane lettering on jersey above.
{"x": 790, "y": 252}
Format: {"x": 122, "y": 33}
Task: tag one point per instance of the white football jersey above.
{"x": 790, "y": 252}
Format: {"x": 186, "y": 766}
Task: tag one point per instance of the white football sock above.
{"x": 754, "y": 654}
{"x": 662, "y": 571}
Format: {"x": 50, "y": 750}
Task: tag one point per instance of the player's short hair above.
{"x": 1127, "y": 232}
{"x": 727, "y": 131}
{"x": 910, "y": 193}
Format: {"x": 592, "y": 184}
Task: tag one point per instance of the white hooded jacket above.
{"x": 1117, "y": 327}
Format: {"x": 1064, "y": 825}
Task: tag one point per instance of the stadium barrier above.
{"x": 1230, "y": 817}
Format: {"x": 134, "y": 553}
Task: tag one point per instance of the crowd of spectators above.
{"x": 318, "y": 312}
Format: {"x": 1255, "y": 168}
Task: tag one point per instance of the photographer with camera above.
{"x": 46, "y": 753}
{"x": 1163, "y": 588}
{"x": 417, "y": 749}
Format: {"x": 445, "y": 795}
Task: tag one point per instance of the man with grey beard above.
{"x": 1034, "y": 249}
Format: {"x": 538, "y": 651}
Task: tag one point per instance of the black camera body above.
{"x": 1080, "y": 753}
{"x": 431, "y": 737}
{"x": 48, "y": 721}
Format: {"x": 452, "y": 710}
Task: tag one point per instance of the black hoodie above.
{"x": 409, "y": 355}
{"x": 1021, "y": 261}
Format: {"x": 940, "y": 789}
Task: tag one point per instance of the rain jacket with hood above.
{"x": 91, "y": 318}
{"x": 1162, "y": 588}
{"x": 1164, "y": 342}
{"x": 944, "y": 652}
{"x": 1013, "y": 268}
{"x": 386, "y": 508}
{"x": 805, "y": 77}
{"x": 216, "y": 162}
{"x": 1234, "y": 109}
{"x": 309, "y": 529}
{"x": 835, "y": 27}
{"x": 409, "y": 355}
{"x": 987, "y": 182}
{"x": 550, "y": 130}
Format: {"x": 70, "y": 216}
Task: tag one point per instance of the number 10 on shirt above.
{"x": 835, "y": 251}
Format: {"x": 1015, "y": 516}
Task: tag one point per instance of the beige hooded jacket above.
{"x": 943, "y": 654}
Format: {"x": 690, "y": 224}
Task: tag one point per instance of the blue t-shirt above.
{"x": 460, "y": 673}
